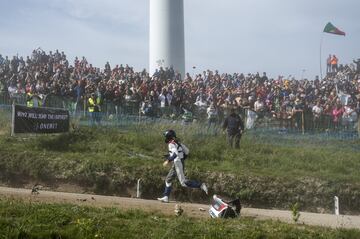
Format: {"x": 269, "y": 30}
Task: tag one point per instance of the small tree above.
{"x": 295, "y": 212}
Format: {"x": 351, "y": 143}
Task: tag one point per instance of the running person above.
{"x": 177, "y": 155}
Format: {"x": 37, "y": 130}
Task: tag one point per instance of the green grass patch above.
{"x": 33, "y": 220}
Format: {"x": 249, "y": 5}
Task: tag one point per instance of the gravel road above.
{"x": 191, "y": 210}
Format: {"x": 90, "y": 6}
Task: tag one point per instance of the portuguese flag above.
{"x": 330, "y": 28}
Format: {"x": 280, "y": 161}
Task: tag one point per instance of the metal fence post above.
{"x": 138, "y": 189}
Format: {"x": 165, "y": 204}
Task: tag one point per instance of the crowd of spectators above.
{"x": 295, "y": 103}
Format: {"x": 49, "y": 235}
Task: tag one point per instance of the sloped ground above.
{"x": 109, "y": 161}
{"x": 190, "y": 210}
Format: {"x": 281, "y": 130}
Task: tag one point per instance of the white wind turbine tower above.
{"x": 167, "y": 37}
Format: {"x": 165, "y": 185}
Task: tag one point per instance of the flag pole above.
{"x": 321, "y": 43}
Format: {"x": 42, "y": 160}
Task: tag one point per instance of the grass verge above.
{"x": 24, "y": 220}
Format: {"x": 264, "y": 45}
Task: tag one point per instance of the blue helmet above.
{"x": 169, "y": 135}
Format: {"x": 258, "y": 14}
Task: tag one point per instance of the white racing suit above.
{"x": 177, "y": 155}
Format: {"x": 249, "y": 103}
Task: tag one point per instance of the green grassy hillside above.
{"x": 109, "y": 161}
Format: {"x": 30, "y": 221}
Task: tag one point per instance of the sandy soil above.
{"x": 192, "y": 210}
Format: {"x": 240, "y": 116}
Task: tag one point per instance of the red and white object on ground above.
{"x": 222, "y": 209}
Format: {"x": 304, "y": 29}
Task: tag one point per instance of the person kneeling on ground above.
{"x": 177, "y": 155}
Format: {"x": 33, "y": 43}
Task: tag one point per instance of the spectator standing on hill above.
{"x": 259, "y": 107}
{"x": 337, "y": 113}
{"x": 328, "y": 65}
{"x": 94, "y": 109}
{"x": 121, "y": 89}
{"x": 349, "y": 116}
{"x": 264, "y": 78}
{"x": 334, "y": 64}
{"x": 317, "y": 111}
{"x": 165, "y": 101}
{"x": 212, "y": 115}
{"x": 177, "y": 154}
{"x": 298, "y": 114}
{"x": 234, "y": 126}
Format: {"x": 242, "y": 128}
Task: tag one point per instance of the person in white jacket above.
{"x": 177, "y": 155}
{"x": 165, "y": 99}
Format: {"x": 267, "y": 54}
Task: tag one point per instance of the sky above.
{"x": 274, "y": 36}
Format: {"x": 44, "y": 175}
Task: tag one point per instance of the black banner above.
{"x": 39, "y": 120}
